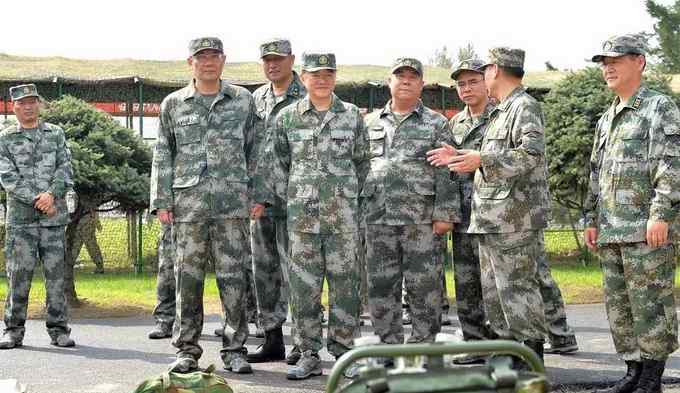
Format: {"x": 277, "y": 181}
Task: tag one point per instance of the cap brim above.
{"x": 319, "y": 69}
{"x": 456, "y": 73}
{"x": 26, "y": 96}
{"x": 600, "y": 56}
{"x": 395, "y": 69}
{"x": 202, "y": 49}
{"x": 275, "y": 54}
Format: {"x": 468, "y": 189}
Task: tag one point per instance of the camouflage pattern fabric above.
{"x": 505, "y": 57}
{"x": 226, "y": 242}
{"x": 270, "y": 270}
{"x": 164, "y": 312}
{"x": 25, "y": 246}
{"x": 313, "y": 257}
{"x": 634, "y": 168}
{"x": 467, "y": 133}
{"x": 408, "y": 252}
{"x": 638, "y": 283}
{"x": 403, "y": 195}
{"x": 510, "y": 189}
{"x": 201, "y": 172}
{"x": 32, "y": 162}
{"x": 635, "y": 179}
{"x": 276, "y": 46}
{"x": 86, "y": 234}
{"x": 269, "y": 236}
{"x": 510, "y": 207}
{"x": 323, "y": 162}
{"x": 617, "y": 46}
{"x": 553, "y": 304}
{"x": 510, "y": 287}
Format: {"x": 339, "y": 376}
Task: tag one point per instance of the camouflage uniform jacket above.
{"x": 467, "y": 133}
{"x": 268, "y": 106}
{"x": 200, "y": 166}
{"x": 323, "y": 164}
{"x": 31, "y": 163}
{"x": 634, "y": 168}
{"x": 402, "y": 187}
{"x": 510, "y": 189}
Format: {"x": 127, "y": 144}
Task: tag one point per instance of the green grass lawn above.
{"x": 121, "y": 292}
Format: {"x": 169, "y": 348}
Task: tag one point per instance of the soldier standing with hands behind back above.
{"x": 35, "y": 172}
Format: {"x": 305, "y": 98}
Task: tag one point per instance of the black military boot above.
{"x": 629, "y": 381}
{"x": 536, "y": 346}
{"x": 650, "y": 377}
{"x": 272, "y": 349}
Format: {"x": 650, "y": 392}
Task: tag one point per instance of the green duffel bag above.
{"x": 195, "y": 382}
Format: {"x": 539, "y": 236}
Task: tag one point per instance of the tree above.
{"x": 550, "y": 67}
{"x": 466, "y": 52}
{"x": 110, "y": 164}
{"x": 667, "y": 29}
{"x": 441, "y": 58}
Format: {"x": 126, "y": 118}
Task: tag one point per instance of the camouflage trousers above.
{"x": 228, "y": 243}
{"x": 314, "y": 257}
{"x": 410, "y": 253}
{"x": 165, "y": 283}
{"x": 89, "y": 239}
{"x": 638, "y": 289}
{"x": 445, "y": 296}
{"x": 24, "y": 247}
{"x": 361, "y": 258}
{"x": 553, "y": 304}
{"x": 468, "y": 285}
{"x": 269, "y": 244}
{"x": 510, "y": 287}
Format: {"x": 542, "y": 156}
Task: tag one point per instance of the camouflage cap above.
{"x": 276, "y": 46}
{"x": 409, "y": 62}
{"x": 474, "y": 65}
{"x": 315, "y": 61}
{"x": 198, "y": 44}
{"x": 23, "y": 91}
{"x": 621, "y": 45}
{"x": 505, "y": 57}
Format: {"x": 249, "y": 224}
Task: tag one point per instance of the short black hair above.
{"x": 517, "y": 72}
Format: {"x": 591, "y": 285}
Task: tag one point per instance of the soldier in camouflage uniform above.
{"x": 35, "y": 172}
{"x": 510, "y": 202}
{"x": 468, "y": 128}
{"x": 409, "y": 207}
{"x": 88, "y": 226}
{"x": 164, "y": 313}
{"x": 634, "y": 196}
{"x": 269, "y": 236}
{"x": 200, "y": 183}
{"x": 321, "y": 155}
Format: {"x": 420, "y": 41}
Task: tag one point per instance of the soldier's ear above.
{"x": 190, "y": 61}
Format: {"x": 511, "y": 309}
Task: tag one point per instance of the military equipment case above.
{"x": 440, "y": 377}
{"x": 195, "y": 382}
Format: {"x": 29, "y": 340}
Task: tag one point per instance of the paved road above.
{"x": 114, "y": 355}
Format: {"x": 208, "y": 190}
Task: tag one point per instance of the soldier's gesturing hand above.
{"x": 441, "y": 227}
{"x": 466, "y": 161}
{"x": 657, "y": 233}
{"x": 442, "y": 155}
{"x": 590, "y": 237}
{"x": 44, "y": 202}
{"x": 165, "y": 216}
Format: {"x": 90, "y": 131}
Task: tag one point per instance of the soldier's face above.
{"x": 406, "y": 84}
{"x": 319, "y": 84}
{"x": 622, "y": 73}
{"x": 207, "y": 65}
{"x": 471, "y": 88}
{"x": 27, "y": 110}
{"x": 278, "y": 68}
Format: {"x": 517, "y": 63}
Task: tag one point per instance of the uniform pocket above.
{"x": 376, "y": 138}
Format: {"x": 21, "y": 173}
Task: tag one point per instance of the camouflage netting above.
{"x": 126, "y": 89}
